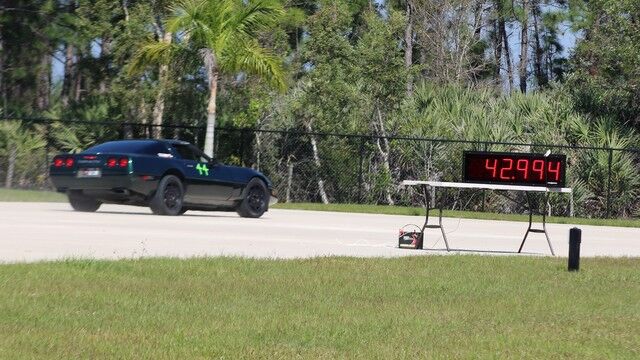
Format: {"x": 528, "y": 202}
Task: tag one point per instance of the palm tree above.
{"x": 222, "y": 35}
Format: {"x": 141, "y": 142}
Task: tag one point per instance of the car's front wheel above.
{"x": 255, "y": 201}
{"x": 81, "y": 202}
{"x": 168, "y": 197}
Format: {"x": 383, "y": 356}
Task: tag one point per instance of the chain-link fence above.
{"x": 341, "y": 168}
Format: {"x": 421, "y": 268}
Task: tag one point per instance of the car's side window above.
{"x": 185, "y": 152}
{"x": 200, "y": 156}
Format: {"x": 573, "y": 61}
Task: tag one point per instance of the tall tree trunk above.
{"x": 105, "y": 55}
{"x": 497, "y": 52}
{"x": 408, "y": 47}
{"x": 76, "y": 81}
{"x": 211, "y": 67}
{"x": 69, "y": 68}
{"x": 158, "y": 107}
{"x": 43, "y": 86}
{"x": 3, "y": 92}
{"x": 125, "y": 9}
{"x": 541, "y": 77}
{"x": 384, "y": 154}
{"x": 82, "y": 83}
{"x": 11, "y": 165}
{"x": 505, "y": 42}
{"x": 69, "y": 75}
{"x": 316, "y": 161}
{"x": 524, "y": 46}
{"x": 143, "y": 115}
{"x": 476, "y": 57}
{"x": 507, "y": 55}
{"x": 287, "y": 197}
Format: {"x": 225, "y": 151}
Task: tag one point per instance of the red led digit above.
{"x": 493, "y": 168}
{"x": 555, "y": 171}
{"x": 505, "y": 169}
{"x": 523, "y": 165}
{"x": 538, "y": 166}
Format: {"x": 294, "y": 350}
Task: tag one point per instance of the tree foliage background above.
{"x": 481, "y": 70}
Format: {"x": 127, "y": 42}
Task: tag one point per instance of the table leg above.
{"x": 427, "y": 202}
{"x": 444, "y": 235}
{"x": 427, "y": 206}
{"x": 427, "y": 196}
{"x": 530, "y": 206}
{"x": 544, "y": 224}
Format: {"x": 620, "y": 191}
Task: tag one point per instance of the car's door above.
{"x": 201, "y": 183}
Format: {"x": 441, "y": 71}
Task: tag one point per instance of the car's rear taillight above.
{"x": 111, "y": 162}
{"x": 63, "y": 162}
{"x": 123, "y": 162}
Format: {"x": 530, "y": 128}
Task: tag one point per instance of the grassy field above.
{"x": 31, "y": 195}
{"x": 324, "y": 308}
{"x": 49, "y": 196}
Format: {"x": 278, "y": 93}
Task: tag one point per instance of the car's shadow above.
{"x": 231, "y": 214}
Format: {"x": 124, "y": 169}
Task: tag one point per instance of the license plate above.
{"x": 89, "y": 173}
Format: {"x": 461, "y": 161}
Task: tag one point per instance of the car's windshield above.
{"x": 129, "y": 147}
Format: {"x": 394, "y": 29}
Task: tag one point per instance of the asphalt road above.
{"x": 45, "y": 231}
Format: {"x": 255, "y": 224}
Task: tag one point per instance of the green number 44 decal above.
{"x": 203, "y": 169}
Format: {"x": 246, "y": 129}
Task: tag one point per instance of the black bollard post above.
{"x": 575, "y": 237}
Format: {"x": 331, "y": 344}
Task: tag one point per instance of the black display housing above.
{"x": 528, "y": 169}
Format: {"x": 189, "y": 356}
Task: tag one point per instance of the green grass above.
{"x": 31, "y": 195}
{"x": 324, "y": 308}
{"x": 407, "y": 210}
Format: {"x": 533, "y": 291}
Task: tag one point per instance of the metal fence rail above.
{"x": 343, "y": 168}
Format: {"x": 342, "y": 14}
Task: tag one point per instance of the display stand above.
{"x": 529, "y": 190}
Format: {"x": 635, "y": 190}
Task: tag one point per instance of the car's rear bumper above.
{"x": 108, "y": 183}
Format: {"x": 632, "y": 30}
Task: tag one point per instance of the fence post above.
{"x": 360, "y": 178}
{"x": 609, "y": 184}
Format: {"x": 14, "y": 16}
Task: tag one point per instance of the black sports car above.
{"x": 169, "y": 176}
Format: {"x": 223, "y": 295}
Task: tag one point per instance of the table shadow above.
{"x": 483, "y": 251}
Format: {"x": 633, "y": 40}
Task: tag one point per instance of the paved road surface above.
{"x": 43, "y": 231}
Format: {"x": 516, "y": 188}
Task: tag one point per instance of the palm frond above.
{"x": 185, "y": 12}
{"x": 196, "y": 21}
{"x": 155, "y": 53}
{"x": 249, "y": 56}
{"x": 151, "y": 53}
{"x": 254, "y": 17}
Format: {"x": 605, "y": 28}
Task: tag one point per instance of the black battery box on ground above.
{"x": 410, "y": 239}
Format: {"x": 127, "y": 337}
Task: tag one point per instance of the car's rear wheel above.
{"x": 168, "y": 197}
{"x": 81, "y": 202}
{"x": 255, "y": 201}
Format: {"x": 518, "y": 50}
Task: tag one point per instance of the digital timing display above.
{"x": 515, "y": 168}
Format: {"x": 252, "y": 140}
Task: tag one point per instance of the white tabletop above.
{"x": 463, "y": 185}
